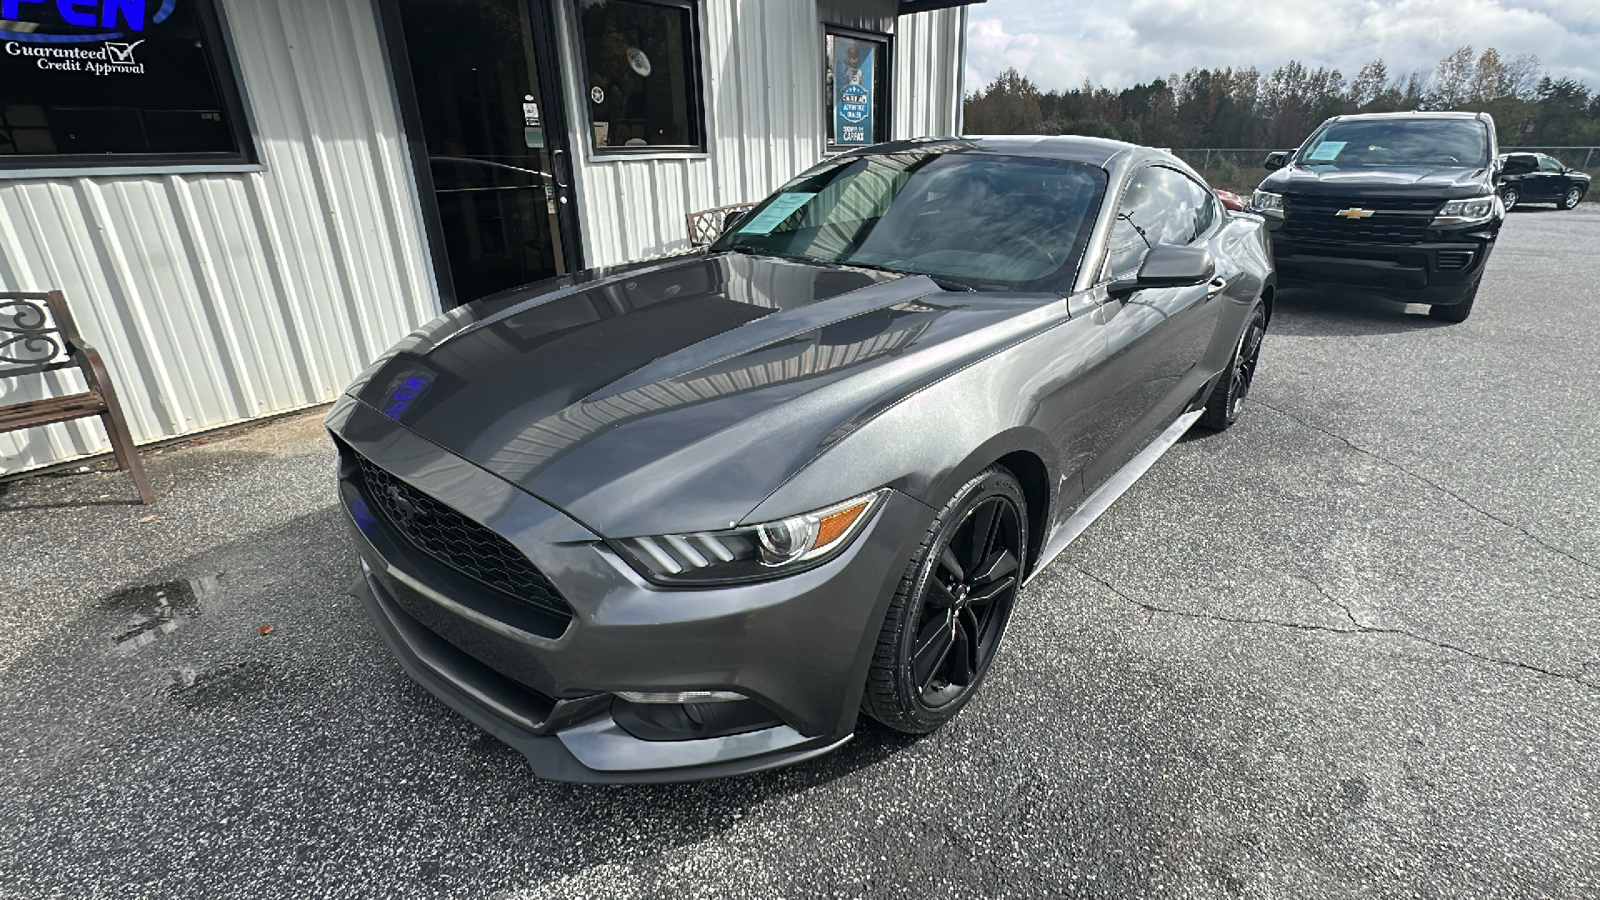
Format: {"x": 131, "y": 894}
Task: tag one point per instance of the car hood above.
{"x": 675, "y": 396}
{"x": 1444, "y": 183}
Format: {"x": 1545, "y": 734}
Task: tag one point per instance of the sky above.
{"x": 1118, "y": 43}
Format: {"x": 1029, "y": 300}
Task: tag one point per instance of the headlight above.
{"x": 1470, "y": 211}
{"x": 752, "y": 553}
{"x": 1267, "y": 204}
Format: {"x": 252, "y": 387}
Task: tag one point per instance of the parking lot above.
{"x": 1349, "y": 648}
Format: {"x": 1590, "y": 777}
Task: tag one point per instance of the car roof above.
{"x": 1411, "y": 114}
{"x": 1070, "y": 148}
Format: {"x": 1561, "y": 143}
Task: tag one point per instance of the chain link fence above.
{"x": 1240, "y": 170}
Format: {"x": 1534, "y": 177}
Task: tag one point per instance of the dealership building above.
{"x": 246, "y": 201}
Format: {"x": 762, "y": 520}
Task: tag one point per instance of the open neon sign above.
{"x": 125, "y": 15}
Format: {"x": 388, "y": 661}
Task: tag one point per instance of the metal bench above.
{"x": 706, "y": 225}
{"x": 37, "y": 335}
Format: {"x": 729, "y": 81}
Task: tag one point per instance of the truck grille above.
{"x": 1393, "y": 220}
{"x": 458, "y": 542}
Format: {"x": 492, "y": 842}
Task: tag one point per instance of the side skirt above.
{"x": 1107, "y": 494}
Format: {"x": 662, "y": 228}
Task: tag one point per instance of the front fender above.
{"x": 931, "y": 442}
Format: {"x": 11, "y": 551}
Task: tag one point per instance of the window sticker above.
{"x": 1327, "y": 151}
{"x": 782, "y": 207}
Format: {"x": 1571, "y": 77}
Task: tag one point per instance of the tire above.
{"x": 1227, "y": 398}
{"x": 1509, "y": 197}
{"x": 1572, "y": 198}
{"x": 939, "y": 637}
{"x": 1457, "y": 312}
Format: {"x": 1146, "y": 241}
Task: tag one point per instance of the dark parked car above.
{"x": 690, "y": 517}
{"x": 1397, "y": 204}
{"x": 1540, "y": 178}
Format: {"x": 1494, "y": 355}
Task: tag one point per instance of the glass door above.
{"x": 489, "y": 145}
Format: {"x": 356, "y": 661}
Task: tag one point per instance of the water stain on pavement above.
{"x": 152, "y": 611}
{"x": 199, "y": 689}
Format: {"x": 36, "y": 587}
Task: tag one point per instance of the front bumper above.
{"x": 798, "y": 647}
{"x": 1439, "y": 271}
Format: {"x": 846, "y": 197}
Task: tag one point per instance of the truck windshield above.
{"x": 1399, "y": 142}
{"x": 986, "y": 222}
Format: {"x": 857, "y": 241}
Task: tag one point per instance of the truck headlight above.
{"x": 1267, "y": 203}
{"x": 1472, "y": 211}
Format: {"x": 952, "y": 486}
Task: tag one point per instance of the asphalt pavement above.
{"x": 1349, "y": 648}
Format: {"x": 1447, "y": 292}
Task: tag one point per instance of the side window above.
{"x": 1160, "y": 206}
{"x": 1550, "y": 164}
{"x": 1520, "y": 164}
{"x": 1205, "y": 209}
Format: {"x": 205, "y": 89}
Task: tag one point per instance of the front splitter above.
{"x": 613, "y": 756}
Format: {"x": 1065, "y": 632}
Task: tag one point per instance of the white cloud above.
{"x": 1059, "y": 44}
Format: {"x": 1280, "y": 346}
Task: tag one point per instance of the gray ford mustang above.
{"x": 691, "y": 517}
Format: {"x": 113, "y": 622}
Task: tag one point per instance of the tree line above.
{"x": 1245, "y": 108}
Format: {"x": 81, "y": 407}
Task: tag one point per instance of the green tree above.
{"x": 1009, "y": 105}
{"x": 1244, "y": 108}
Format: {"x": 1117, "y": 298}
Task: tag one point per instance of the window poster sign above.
{"x": 88, "y": 78}
{"x": 854, "y": 90}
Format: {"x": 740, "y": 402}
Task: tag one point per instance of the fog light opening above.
{"x": 696, "y": 719}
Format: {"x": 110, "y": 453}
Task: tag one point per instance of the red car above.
{"x": 1230, "y": 199}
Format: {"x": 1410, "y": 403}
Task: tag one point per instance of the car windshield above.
{"x": 986, "y": 222}
{"x": 1399, "y": 142}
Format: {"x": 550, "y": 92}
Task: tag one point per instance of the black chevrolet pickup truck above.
{"x": 1397, "y": 204}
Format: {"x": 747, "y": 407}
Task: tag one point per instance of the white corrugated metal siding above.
{"x": 763, "y": 74}
{"x": 218, "y": 298}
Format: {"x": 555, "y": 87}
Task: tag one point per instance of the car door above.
{"x": 1548, "y": 182}
{"x": 1518, "y": 171}
{"x": 1155, "y": 338}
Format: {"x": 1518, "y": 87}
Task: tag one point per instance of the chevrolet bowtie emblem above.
{"x": 1354, "y": 213}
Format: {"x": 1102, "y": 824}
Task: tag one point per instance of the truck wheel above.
{"x": 1456, "y": 312}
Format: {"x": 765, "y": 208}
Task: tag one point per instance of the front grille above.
{"x": 458, "y": 542}
{"x": 1450, "y": 260}
{"x": 1393, "y": 220}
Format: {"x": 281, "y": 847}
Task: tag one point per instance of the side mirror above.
{"x": 1165, "y": 266}
{"x": 1276, "y": 160}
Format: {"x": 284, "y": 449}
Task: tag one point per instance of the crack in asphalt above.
{"x": 1430, "y": 483}
{"x": 1357, "y": 627}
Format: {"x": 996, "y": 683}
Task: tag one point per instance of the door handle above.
{"x": 555, "y": 168}
{"x": 1217, "y": 286}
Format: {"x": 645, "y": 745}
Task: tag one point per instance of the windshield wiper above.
{"x": 873, "y": 266}
{"x": 793, "y": 257}
{"x": 944, "y": 283}
{"x": 950, "y": 284}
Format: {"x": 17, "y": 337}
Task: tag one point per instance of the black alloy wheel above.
{"x": 1509, "y": 197}
{"x": 1227, "y": 398}
{"x": 945, "y": 624}
{"x": 1573, "y": 198}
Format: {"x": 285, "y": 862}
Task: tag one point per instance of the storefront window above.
{"x": 116, "y": 82}
{"x": 642, "y": 75}
{"x": 857, "y": 89}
